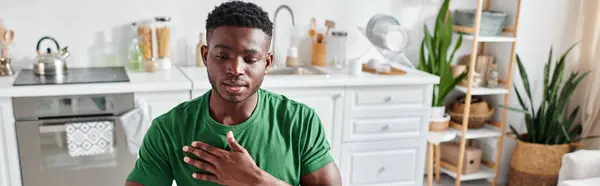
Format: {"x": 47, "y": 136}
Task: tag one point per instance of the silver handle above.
{"x": 53, "y": 128}
{"x": 387, "y": 127}
{"x": 381, "y": 170}
{"x": 389, "y": 99}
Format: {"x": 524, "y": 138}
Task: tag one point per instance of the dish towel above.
{"x": 135, "y": 124}
{"x": 90, "y": 138}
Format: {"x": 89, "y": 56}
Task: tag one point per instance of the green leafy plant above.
{"x": 436, "y": 61}
{"x": 549, "y": 124}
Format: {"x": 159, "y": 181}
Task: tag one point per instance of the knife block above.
{"x": 450, "y": 151}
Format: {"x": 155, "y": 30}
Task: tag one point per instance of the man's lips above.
{"x": 235, "y": 87}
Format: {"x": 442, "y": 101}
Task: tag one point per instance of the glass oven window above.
{"x": 55, "y": 151}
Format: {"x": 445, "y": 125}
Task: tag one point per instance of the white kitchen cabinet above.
{"x": 162, "y": 102}
{"x": 10, "y": 172}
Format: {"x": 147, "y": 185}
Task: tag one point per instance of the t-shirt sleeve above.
{"x": 152, "y": 167}
{"x": 315, "y": 147}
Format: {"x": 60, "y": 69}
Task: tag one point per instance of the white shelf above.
{"x": 482, "y": 90}
{"x": 501, "y": 39}
{"x": 488, "y": 131}
{"x": 484, "y": 173}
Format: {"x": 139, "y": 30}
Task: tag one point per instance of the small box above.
{"x": 449, "y": 152}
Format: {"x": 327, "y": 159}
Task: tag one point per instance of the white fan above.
{"x": 389, "y": 38}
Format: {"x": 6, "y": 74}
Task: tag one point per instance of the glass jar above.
{"x": 337, "y": 49}
{"x": 163, "y": 42}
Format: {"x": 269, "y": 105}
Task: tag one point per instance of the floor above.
{"x": 446, "y": 180}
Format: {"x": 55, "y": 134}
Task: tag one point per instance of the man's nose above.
{"x": 237, "y": 66}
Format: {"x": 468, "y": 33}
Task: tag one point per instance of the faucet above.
{"x": 274, "y": 28}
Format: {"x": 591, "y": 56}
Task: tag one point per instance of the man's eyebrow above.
{"x": 222, "y": 46}
{"x": 251, "y": 51}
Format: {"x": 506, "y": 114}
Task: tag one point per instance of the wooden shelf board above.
{"x": 483, "y": 90}
{"x": 488, "y": 131}
{"x": 484, "y": 173}
{"x": 504, "y": 38}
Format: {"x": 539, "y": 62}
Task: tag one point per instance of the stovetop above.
{"x": 74, "y": 76}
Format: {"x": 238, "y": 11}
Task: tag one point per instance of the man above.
{"x": 236, "y": 133}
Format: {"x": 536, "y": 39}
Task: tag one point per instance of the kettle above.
{"x": 50, "y": 63}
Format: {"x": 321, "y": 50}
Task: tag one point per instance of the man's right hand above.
{"x": 130, "y": 183}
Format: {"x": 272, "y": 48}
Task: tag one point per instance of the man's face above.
{"x": 237, "y": 59}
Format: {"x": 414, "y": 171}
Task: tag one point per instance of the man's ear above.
{"x": 204, "y": 53}
{"x": 269, "y": 62}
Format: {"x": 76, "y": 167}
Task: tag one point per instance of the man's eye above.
{"x": 251, "y": 60}
{"x": 221, "y": 57}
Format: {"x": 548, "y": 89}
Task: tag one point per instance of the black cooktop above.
{"x": 74, "y": 76}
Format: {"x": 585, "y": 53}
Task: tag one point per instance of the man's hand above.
{"x": 234, "y": 167}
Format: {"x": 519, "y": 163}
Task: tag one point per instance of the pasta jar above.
{"x": 163, "y": 42}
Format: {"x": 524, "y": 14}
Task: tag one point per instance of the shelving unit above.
{"x": 488, "y": 169}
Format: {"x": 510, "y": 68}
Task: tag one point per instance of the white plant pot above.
{"x": 437, "y": 112}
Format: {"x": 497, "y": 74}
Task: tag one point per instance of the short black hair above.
{"x": 239, "y": 13}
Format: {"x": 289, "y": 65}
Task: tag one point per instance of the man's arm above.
{"x": 318, "y": 167}
{"x": 152, "y": 168}
{"x": 328, "y": 175}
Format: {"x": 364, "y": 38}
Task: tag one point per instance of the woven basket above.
{"x": 480, "y": 112}
{"x": 535, "y": 164}
{"x": 439, "y": 125}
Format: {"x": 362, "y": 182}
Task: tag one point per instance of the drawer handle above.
{"x": 387, "y": 127}
{"x": 381, "y": 170}
{"x": 389, "y": 99}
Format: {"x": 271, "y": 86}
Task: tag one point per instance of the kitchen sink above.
{"x": 301, "y": 70}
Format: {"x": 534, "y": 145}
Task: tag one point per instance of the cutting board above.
{"x": 394, "y": 71}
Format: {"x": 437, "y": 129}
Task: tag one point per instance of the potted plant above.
{"x": 437, "y": 61}
{"x": 536, "y": 159}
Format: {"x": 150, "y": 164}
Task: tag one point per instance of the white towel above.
{"x": 135, "y": 124}
{"x": 90, "y": 138}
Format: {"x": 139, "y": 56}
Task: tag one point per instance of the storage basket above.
{"x": 535, "y": 164}
{"x": 480, "y": 112}
{"x": 492, "y": 22}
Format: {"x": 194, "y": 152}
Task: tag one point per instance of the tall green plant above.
{"x": 549, "y": 124}
{"x": 437, "y": 61}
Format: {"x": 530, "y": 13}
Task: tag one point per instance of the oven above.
{"x": 43, "y": 141}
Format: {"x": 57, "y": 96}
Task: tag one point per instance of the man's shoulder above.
{"x": 281, "y": 102}
{"x": 181, "y": 111}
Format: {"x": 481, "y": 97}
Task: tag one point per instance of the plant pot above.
{"x": 437, "y": 112}
{"x": 535, "y": 164}
{"x": 439, "y": 124}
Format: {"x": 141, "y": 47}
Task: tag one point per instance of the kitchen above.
{"x": 376, "y": 123}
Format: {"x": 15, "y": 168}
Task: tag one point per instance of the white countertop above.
{"x": 195, "y": 78}
{"x": 336, "y": 78}
{"x": 171, "y": 80}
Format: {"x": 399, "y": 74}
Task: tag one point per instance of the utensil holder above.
{"x": 319, "y": 54}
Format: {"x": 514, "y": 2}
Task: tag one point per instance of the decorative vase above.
{"x": 535, "y": 164}
{"x": 437, "y": 112}
{"x": 439, "y": 124}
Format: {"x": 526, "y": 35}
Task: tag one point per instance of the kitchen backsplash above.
{"x": 98, "y": 32}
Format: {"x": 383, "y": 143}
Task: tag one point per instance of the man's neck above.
{"x": 229, "y": 113}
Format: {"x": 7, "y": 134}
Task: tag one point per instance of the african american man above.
{"x": 278, "y": 141}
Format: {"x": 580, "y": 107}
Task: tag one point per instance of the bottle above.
{"x": 291, "y": 59}
{"x": 492, "y": 75}
{"x": 135, "y": 54}
{"x": 199, "y": 60}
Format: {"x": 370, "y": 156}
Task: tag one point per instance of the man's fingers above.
{"x": 206, "y": 177}
{"x": 200, "y": 164}
{"x": 235, "y": 146}
{"x": 210, "y": 149}
{"x": 202, "y": 154}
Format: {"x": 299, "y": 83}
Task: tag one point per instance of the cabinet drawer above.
{"x": 383, "y": 128}
{"x": 383, "y": 163}
{"x": 389, "y": 96}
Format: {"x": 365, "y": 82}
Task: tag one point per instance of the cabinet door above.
{"x": 328, "y": 104}
{"x": 162, "y": 102}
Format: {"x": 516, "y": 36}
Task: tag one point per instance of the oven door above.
{"x": 45, "y": 159}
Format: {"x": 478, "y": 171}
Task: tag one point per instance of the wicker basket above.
{"x": 439, "y": 125}
{"x": 535, "y": 164}
{"x": 492, "y": 22}
{"x": 480, "y": 112}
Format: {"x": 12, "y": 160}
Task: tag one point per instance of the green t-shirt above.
{"x": 285, "y": 138}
